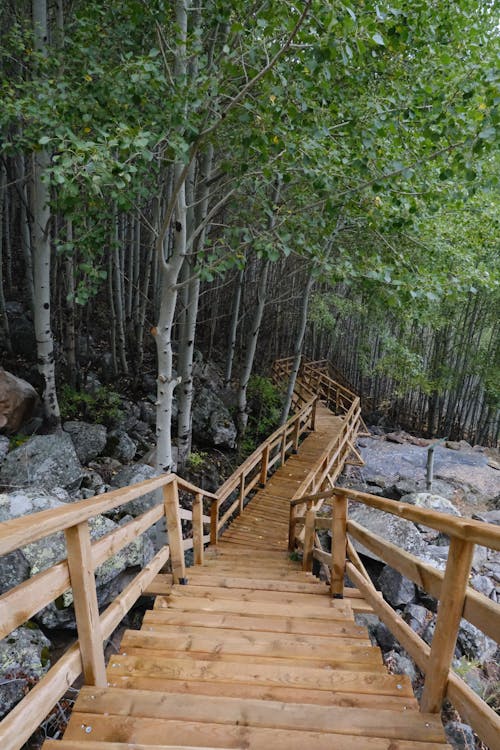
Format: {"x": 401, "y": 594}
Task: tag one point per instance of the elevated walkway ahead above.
{"x": 247, "y": 648}
{"x": 253, "y": 652}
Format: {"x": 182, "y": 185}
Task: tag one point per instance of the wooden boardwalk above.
{"x": 252, "y": 653}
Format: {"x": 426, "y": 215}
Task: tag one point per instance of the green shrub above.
{"x": 102, "y": 406}
{"x": 265, "y": 403}
{"x": 196, "y": 460}
{"x": 17, "y": 440}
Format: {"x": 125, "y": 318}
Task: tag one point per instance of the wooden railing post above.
{"x": 339, "y": 545}
{"x": 313, "y": 414}
{"x": 309, "y": 530}
{"x": 81, "y": 572}
{"x": 291, "y": 528}
{"x": 242, "y": 492}
{"x": 264, "y": 466}
{"x": 283, "y": 447}
{"x": 214, "y": 522}
{"x": 174, "y": 529}
{"x": 450, "y": 608}
{"x": 296, "y": 435}
{"x": 198, "y": 548}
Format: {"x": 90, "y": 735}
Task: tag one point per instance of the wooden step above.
{"x": 397, "y": 724}
{"x": 253, "y": 653}
{"x": 145, "y": 731}
{"x": 266, "y": 692}
{"x": 269, "y": 674}
{"x": 198, "y": 577}
{"x": 331, "y": 642}
{"x": 337, "y": 610}
{"x": 213, "y": 642}
{"x": 249, "y": 622}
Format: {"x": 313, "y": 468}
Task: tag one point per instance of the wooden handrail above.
{"x": 77, "y": 571}
{"x": 478, "y": 532}
{"x": 456, "y": 599}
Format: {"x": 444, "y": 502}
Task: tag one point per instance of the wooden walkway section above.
{"x": 252, "y": 653}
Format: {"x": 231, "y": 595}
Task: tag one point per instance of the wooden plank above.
{"x": 357, "y": 637}
{"x": 21, "y": 531}
{"x": 81, "y": 574}
{"x": 252, "y": 645}
{"x": 199, "y": 578}
{"x": 171, "y": 503}
{"x": 416, "y": 647}
{"x": 253, "y": 595}
{"x": 90, "y": 745}
{"x": 18, "y": 726}
{"x": 255, "y": 713}
{"x": 214, "y": 522}
{"x": 478, "y": 609}
{"x": 203, "y": 733}
{"x": 450, "y": 609}
{"x": 249, "y": 622}
{"x": 259, "y": 692}
{"x": 307, "y": 556}
{"x": 198, "y": 546}
{"x": 483, "y": 719}
{"x": 242, "y": 661}
{"x": 267, "y": 609}
{"x": 477, "y": 532}
{"x": 339, "y": 542}
{"x": 262, "y": 674}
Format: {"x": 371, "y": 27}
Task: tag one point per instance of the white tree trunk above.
{"x": 163, "y": 335}
{"x": 298, "y": 347}
{"x": 242, "y": 414}
{"x": 186, "y": 343}
{"x": 3, "y": 315}
{"x": 233, "y": 328}
{"x": 41, "y": 250}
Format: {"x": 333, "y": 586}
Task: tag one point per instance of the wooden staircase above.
{"x": 252, "y": 653}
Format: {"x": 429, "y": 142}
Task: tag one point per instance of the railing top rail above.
{"x": 340, "y": 439}
{"x": 325, "y": 378}
{"x": 185, "y": 485}
{"x": 478, "y": 532}
{"x": 17, "y": 532}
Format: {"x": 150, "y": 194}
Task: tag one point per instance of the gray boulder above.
{"x": 121, "y": 446}
{"x": 14, "y": 570}
{"x": 403, "y": 534}
{"x": 44, "y": 461}
{"x": 483, "y": 584}
{"x": 439, "y": 487}
{"x": 417, "y": 617}
{"x": 473, "y": 644}
{"x": 400, "y": 664}
{"x": 460, "y": 736}
{"x": 22, "y": 332}
{"x": 132, "y": 475}
{"x": 89, "y": 439}
{"x": 212, "y": 422}
{"x": 17, "y": 400}
{"x": 4, "y": 447}
{"x": 24, "y": 658}
{"x": 490, "y": 516}
{"x": 397, "y": 589}
{"x": 385, "y": 639}
{"x": 431, "y": 502}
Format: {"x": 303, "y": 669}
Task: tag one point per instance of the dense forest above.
{"x": 252, "y": 180}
